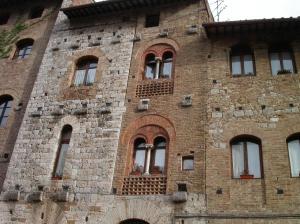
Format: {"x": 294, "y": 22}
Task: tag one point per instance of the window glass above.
{"x": 248, "y": 65}
{"x": 5, "y": 108}
{"x": 150, "y": 66}
{"x": 294, "y": 155}
{"x": 140, "y": 156}
{"x": 85, "y": 72}
{"x": 275, "y": 63}
{"x": 24, "y": 48}
{"x": 79, "y": 77}
{"x": 167, "y": 65}
{"x": 236, "y": 65}
{"x": 287, "y": 62}
{"x": 238, "y": 159}
{"x": 62, "y": 151}
{"x": 253, "y": 159}
{"x": 91, "y": 76}
{"x": 188, "y": 163}
{"x": 159, "y": 155}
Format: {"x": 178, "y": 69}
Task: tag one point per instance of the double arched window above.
{"x": 24, "y": 48}
{"x": 85, "y": 73}
{"x": 159, "y": 63}
{"x": 242, "y": 60}
{"x": 246, "y": 157}
{"x": 149, "y": 157}
{"x": 293, "y": 143}
{"x": 5, "y": 108}
{"x": 63, "y": 147}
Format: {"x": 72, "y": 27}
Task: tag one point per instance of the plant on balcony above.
{"x": 284, "y": 71}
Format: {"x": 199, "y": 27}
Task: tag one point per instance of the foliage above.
{"x": 8, "y": 38}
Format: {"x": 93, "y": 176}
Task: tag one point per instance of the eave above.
{"x": 113, "y": 6}
{"x": 248, "y": 27}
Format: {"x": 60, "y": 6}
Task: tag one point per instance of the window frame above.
{"x": 88, "y": 60}
{"x": 159, "y": 51}
{"x": 280, "y": 50}
{"x": 244, "y": 139}
{"x": 5, "y": 99}
{"x": 23, "y": 45}
{"x": 188, "y": 157}
{"x": 65, "y": 128}
{"x": 152, "y": 16}
{"x": 149, "y": 140}
{"x": 292, "y": 137}
{"x": 241, "y": 51}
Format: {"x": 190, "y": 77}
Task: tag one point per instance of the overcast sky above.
{"x": 259, "y": 9}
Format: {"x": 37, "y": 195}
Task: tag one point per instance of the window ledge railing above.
{"x": 144, "y": 185}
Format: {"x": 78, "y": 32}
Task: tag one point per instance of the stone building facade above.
{"x": 149, "y": 112}
{"x": 30, "y": 27}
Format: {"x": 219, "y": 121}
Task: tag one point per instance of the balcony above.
{"x": 154, "y": 88}
{"x": 144, "y": 185}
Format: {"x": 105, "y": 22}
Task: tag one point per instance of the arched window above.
{"x": 62, "y": 151}
{"x": 167, "y": 65}
{"x": 159, "y": 62}
{"x": 85, "y": 71}
{"x": 134, "y": 221}
{"x": 293, "y": 143}
{"x": 149, "y": 152}
{"x": 5, "y": 108}
{"x": 139, "y": 156}
{"x": 150, "y": 66}
{"x": 242, "y": 60}
{"x": 246, "y": 157}
{"x": 282, "y": 60}
{"x": 24, "y": 48}
{"x": 158, "y": 156}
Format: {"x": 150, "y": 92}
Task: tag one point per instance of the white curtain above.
{"x": 287, "y": 61}
{"x": 79, "y": 77}
{"x": 236, "y": 65}
{"x": 248, "y": 64}
{"x": 91, "y": 76}
{"x": 275, "y": 63}
{"x": 238, "y": 159}
{"x": 294, "y": 154}
{"x": 254, "y": 159}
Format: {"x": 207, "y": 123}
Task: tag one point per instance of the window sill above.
{"x": 56, "y": 178}
{"x": 242, "y": 76}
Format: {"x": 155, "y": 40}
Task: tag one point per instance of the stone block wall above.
{"x": 264, "y": 106}
{"x": 18, "y": 75}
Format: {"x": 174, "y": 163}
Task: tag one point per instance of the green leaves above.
{"x": 8, "y": 38}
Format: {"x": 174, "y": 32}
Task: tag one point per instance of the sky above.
{"x": 258, "y": 9}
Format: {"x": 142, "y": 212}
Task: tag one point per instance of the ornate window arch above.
{"x": 246, "y": 157}
{"x": 24, "y": 48}
{"x": 293, "y": 143}
{"x": 85, "y": 71}
{"x": 159, "y": 62}
{"x": 149, "y": 153}
{"x": 5, "y": 108}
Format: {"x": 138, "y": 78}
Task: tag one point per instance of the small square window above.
{"x": 182, "y": 187}
{"x": 36, "y": 12}
{"x": 188, "y": 163}
{"x": 152, "y": 20}
{"x": 4, "y": 18}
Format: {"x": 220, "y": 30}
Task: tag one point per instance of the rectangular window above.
{"x": 188, "y": 163}
{"x": 182, "y": 187}
{"x": 152, "y": 20}
{"x": 294, "y": 154}
{"x": 275, "y": 63}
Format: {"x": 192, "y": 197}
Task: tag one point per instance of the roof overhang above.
{"x": 249, "y": 27}
{"x": 113, "y": 6}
